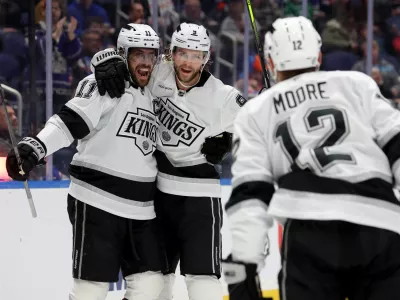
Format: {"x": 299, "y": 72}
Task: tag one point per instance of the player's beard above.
{"x": 141, "y": 74}
{"x": 184, "y": 76}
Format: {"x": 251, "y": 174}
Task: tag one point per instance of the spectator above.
{"x": 91, "y": 44}
{"x": 218, "y": 12}
{"x": 256, "y": 79}
{"x": 166, "y": 13}
{"x": 5, "y": 141}
{"x": 82, "y": 9}
{"x": 393, "y": 31}
{"x": 393, "y": 22}
{"x": 387, "y": 70}
{"x": 14, "y": 53}
{"x": 339, "y": 35}
{"x": 136, "y": 13}
{"x": 338, "y": 61}
{"x": 97, "y": 24}
{"x": 293, "y": 9}
{"x": 377, "y": 76}
{"x": 266, "y": 12}
{"x": 66, "y": 51}
{"x": 192, "y": 13}
{"x": 4, "y": 135}
{"x": 234, "y": 22}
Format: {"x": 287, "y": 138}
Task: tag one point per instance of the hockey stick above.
{"x": 14, "y": 145}
{"x": 258, "y": 44}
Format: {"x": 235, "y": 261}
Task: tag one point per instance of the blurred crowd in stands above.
{"x": 80, "y": 28}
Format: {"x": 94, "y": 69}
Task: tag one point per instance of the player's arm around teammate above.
{"x": 113, "y": 177}
{"x": 188, "y": 185}
{"x": 111, "y": 75}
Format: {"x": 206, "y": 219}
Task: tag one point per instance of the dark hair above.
{"x": 10, "y": 14}
{"x": 94, "y": 20}
{"x": 168, "y": 57}
{"x": 91, "y": 31}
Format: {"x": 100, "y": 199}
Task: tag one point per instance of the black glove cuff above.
{"x": 38, "y": 147}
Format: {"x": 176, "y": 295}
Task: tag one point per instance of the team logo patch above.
{"x": 240, "y": 100}
{"x": 141, "y": 126}
{"x": 176, "y": 125}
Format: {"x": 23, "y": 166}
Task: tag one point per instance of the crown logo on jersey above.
{"x": 141, "y": 126}
{"x": 175, "y": 124}
{"x": 166, "y": 136}
{"x": 146, "y": 145}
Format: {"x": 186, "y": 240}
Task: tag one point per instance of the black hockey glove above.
{"x": 217, "y": 147}
{"x": 32, "y": 152}
{"x": 111, "y": 73}
{"x": 242, "y": 279}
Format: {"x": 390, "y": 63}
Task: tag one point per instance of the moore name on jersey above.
{"x": 291, "y": 99}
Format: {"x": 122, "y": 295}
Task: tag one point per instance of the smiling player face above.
{"x": 188, "y": 64}
{"x": 141, "y": 62}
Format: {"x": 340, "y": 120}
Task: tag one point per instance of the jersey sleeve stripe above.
{"x": 392, "y": 149}
{"x": 120, "y": 187}
{"x": 81, "y": 114}
{"x": 307, "y": 182}
{"x": 261, "y": 190}
{"x": 57, "y": 121}
{"x": 383, "y": 140}
{"x": 77, "y": 126}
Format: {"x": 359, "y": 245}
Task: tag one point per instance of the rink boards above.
{"x": 35, "y": 255}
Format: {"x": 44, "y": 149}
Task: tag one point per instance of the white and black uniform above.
{"x": 113, "y": 180}
{"x": 331, "y": 142}
{"x": 186, "y": 119}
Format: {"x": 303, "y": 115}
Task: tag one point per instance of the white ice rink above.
{"x": 35, "y": 255}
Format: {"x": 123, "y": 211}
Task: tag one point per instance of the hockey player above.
{"x": 331, "y": 142}
{"x": 110, "y": 200}
{"x": 196, "y": 112}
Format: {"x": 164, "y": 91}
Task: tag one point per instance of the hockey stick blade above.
{"x": 14, "y": 145}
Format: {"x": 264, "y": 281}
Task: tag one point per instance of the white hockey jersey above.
{"x": 330, "y": 141}
{"x": 186, "y": 120}
{"x": 115, "y": 169}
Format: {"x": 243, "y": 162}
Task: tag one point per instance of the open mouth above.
{"x": 143, "y": 73}
{"x": 186, "y": 71}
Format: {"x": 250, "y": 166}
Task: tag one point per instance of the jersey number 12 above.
{"x": 314, "y": 121}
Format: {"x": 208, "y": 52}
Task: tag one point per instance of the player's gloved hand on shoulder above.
{"x": 242, "y": 279}
{"x": 32, "y": 152}
{"x": 217, "y": 147}
{"x": 110, "y": 71}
